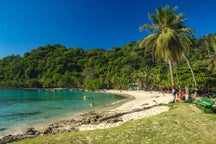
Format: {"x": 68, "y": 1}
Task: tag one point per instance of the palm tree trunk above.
{"x": 187, "y": 91}
{"x": 192, "y": 72}
{"x": 172, "y": 79}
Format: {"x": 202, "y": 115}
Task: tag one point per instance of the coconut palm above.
{"x": 209, "y": 44}
{"x": 170, "y": 39}
{"x": 144, "y": 77}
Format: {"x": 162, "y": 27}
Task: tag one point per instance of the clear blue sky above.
{"x": 28, "y": 24}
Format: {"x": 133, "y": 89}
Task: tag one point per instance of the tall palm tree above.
{"x": 170, "y": 39}
{"x": 193, "y": 76}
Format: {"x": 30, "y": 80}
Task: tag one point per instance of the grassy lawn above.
{"x": 183, "y": 124}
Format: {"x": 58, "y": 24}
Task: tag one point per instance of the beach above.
{"x": 137, "y": 107}
{"x": 140, "y": 104}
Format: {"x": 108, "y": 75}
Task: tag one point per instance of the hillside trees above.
{"x": 58, "y": 66}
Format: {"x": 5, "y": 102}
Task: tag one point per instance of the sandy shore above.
{"x": 140, "y": 104}
{"x": 141, "y": 99}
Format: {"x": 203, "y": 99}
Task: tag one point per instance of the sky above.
{"x": 29, "y": 24}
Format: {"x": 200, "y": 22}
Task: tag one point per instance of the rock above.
{"x": 7, "y": 139}
{"x": 112, "y": 116}
{"x": 62, "y": 126}
{"x": 74, "y": 129}
{"x": 32, "y": 131}
{"x": 58, "y": 127}
{"x": 115, "y": 120}
{"x": 48, "y": 130}
{"x": 91, "y": 118}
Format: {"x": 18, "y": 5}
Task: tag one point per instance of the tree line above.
{"x": 57, "y": 66}
{"x": 147, "y": 62}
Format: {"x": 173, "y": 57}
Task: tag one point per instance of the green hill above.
{"x": 58, "y": 66}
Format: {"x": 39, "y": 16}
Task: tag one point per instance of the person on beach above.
{"x": 174, "y": 93}
{"x": 183, "y": 95}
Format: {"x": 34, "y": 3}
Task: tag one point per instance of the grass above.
{"x": 183, "y": 124}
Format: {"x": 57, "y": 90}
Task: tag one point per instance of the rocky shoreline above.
{"x": 144, "y": 104}
{"x": 90, "y": 119}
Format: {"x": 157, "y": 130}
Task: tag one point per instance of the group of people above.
{"x": 89, "y": 98}
{"x": 181, "y": 95}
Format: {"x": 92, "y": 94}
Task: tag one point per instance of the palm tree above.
{"x": 148, "y": 76}
{"x": 144, "y": 77}
{"x": 193, "y": 76}
{"x": 170, "y": 39}
{"x": 209, "y": 44}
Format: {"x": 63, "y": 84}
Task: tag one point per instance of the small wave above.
{"x": 20, "y": 114}
{"x": 117, "y": 102}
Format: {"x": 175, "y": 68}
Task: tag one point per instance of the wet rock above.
{"x": 31, "y": 131}
{"x": 91, "y": 118}
{"x": 7, "y": 139}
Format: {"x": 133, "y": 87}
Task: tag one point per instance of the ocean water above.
{"x": 21, "y": 108}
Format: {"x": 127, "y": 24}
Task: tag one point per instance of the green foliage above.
{"x": 34, "y": 83}
{"x": 57, "y": 66}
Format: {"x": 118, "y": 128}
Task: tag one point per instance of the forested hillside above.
{"x": 58, "y": 66}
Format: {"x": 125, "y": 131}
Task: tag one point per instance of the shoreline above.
{"x": 42, "y": 125}
{"x": 141, "y": 104}
{"x": 138, "y": 104}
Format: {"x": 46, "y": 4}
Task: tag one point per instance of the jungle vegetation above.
{"x": 58, "y": 66}
{"x": 177, "y": 57}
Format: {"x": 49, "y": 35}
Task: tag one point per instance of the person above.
{"x": 183, "y": 95}
{"x": 91, "y": 104}
{"x": 84, "y": 98}
{"x": 174, "y": 93}
{"x": 190, "y": 98}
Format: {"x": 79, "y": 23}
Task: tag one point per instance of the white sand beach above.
{"x": 141, "y": 99}
{"x": 140, "y": 104}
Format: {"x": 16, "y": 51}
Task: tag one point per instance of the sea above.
{"x": 21, "y": 109}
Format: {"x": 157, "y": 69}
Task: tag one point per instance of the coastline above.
{"x": 138, "y": 105}
{"x": 141, "y": 104}
{"x": 41, "y": 125}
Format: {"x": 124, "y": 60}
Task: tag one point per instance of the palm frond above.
{"x": 188, "y": 31}
{"x": 202, "y": 63}
{"x": 148, "y": 27}
{"x": 171, "y": 37}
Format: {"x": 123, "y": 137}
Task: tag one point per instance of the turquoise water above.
{"x": 22, "y": 107}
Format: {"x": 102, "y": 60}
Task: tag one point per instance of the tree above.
{"x": 170, "y": 39}
{"x": 209, "y": 43}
